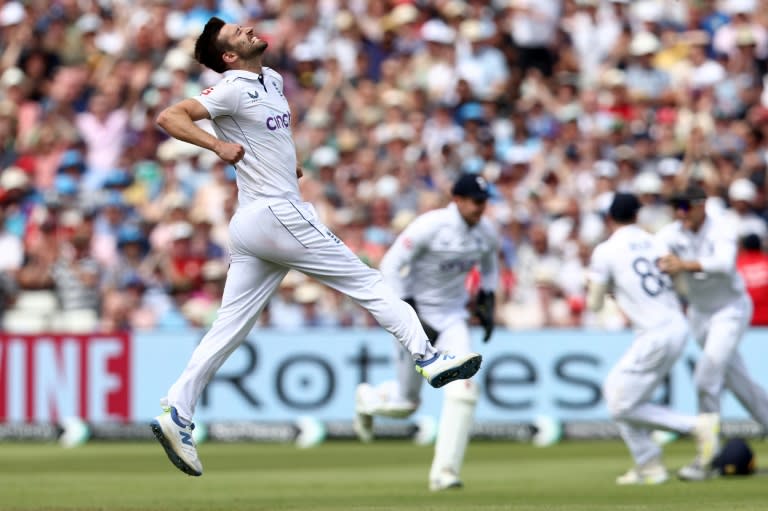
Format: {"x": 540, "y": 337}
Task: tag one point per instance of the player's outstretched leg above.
{"x": 445, "y": 367}
{"x": 175, "y": 435}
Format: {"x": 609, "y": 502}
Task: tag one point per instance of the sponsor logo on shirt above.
{"x": 457, "y": 265}
{"x": 276, "y": 122}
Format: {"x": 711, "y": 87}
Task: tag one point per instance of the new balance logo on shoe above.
{"x": 175, "y": 436}
{"x": 186, "y": 438}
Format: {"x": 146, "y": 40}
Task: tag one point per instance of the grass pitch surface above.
{"x": 345, "y": 476}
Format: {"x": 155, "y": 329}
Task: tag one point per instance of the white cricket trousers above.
{"x": 628, "y": 389}
{"x": 267, "y": 238}
{"x": 720, "y": 365}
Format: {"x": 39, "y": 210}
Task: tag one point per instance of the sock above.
{"x": 430, "y": 353}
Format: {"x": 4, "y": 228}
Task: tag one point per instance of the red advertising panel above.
{"x": 49, "y": 376}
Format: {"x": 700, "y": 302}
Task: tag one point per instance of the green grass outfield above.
{"x": 338, "y": 476}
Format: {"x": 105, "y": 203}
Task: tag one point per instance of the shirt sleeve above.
{"x": 221, "y": 99}
{"x": 599, "y": 267}
{"x": 665, "y": 240}
{"x": 599, "y": 278}
{"x": 409, "y": 244}
{"x": 722, "y": 258}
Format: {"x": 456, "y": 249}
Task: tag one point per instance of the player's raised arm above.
{"x": 179, "y": 120}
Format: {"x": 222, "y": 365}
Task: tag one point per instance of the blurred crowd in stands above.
{"x": 108, "y": 224}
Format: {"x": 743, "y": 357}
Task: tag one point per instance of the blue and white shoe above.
{"x": 445, "y": 367}
{"x": 176, "y": 438}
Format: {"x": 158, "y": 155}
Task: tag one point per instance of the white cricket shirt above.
{"x": 714, "y": 246}
{"x": 431, "y": 258}
{"x": 626, "y": 261}
{"x": 256, "y": 115}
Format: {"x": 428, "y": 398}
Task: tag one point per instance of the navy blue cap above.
{"x": 624, "y": 207}
{"x": 471, "y": 185}
{"x": 735, "y": 458}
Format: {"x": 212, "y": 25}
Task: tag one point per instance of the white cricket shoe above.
{"x": 363, "y": 421}
{"x": 695, "y": 471}
{"x": 707, "y": 435}
{"x": 445, "y": 367}
{"x": 653, "y": 472}
{"x": 445, "y": 480}
{"x": 176, "y": 439}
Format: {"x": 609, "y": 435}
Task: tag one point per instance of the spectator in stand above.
{"x": 76, "y": 274}
{"x": 752, "y": 264}
{"x": 743, "y": 193}
{"x": 398, "y": 101}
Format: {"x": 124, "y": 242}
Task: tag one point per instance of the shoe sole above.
{"x": 175, "y": 458}
{"x": 462, "y": 372}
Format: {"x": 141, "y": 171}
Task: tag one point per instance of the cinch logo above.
{"x": 457, "y": 265}
{"x": 47, "y": 377}
{"x": 279, "y": 121}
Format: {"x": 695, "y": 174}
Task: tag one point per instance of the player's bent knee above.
{"x": 462, "y": 390}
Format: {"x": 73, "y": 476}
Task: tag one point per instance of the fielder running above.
{"x": 626, "y": 264}
{"x": 702, "y": 250}
{"x": 438, "y": 250}
{"x": 272, "y": 231}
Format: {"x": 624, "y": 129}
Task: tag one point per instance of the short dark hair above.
{"x": 208, "y": 49}
{"x": 751, "y": 242}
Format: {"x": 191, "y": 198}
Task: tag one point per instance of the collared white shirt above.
{"x": 254, "y": 113}
{"x": 431, "y": 258}
{"x": 714, "y": 246}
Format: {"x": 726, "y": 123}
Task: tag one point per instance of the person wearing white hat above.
{"x": 12, "y": 13}
{"x": 433, "y": 64}
{"x": 742, "y": 194}
{"x": 481, "y": 63}
{"x": 272, "y": 231}
{"x": 742, "y": 28}
{"x": 655, "y": 213}
{"x": 644, "y": 80}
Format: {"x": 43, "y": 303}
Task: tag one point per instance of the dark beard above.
{"x": 259, "y": 49}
